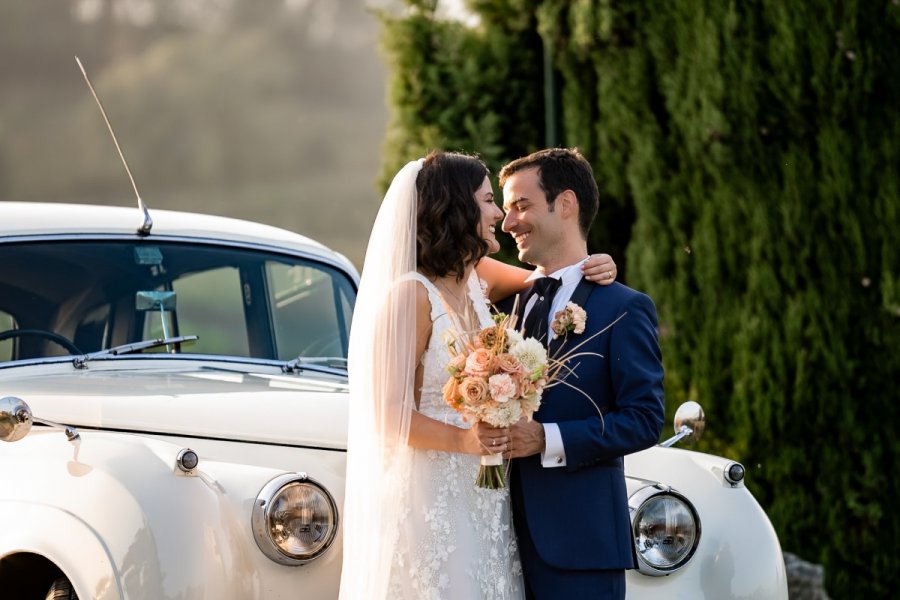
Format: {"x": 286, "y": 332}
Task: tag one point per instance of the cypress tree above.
{"x": 458, "y": 88}
{"x": 747, "y": 155}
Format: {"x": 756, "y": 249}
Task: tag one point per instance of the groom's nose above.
{"x": 509, "y": 221}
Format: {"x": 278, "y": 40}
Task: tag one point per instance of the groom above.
{"x": 567, "y": 481}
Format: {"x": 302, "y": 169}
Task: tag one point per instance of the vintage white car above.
{"x": 186, "y": 378}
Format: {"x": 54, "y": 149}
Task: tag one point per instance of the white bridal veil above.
{"x": 382, "y": 375}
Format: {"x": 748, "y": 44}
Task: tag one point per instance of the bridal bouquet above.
{"x": 496, "y": 376}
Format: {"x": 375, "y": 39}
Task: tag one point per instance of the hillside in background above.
{"x": 269, "y": 110}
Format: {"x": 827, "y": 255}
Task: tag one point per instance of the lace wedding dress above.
{"x": 456, "y": 541}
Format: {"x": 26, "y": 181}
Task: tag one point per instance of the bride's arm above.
{"x": 425, "y": 432}
{"x": 505, "y": 280}
{"x": 428, "y": 434}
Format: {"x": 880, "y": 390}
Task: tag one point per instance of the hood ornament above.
{"x": 146, "y": 222}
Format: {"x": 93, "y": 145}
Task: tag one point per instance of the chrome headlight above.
{"x": 294, "y": 519}
{"x": 666, "y": 529}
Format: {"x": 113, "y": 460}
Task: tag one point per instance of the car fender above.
{"x": 77, "y": 549}
{"x": 738, "y": 555}
{"x": 119, "y": 509}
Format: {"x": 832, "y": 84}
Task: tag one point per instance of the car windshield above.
{"x": 69, "y": 297}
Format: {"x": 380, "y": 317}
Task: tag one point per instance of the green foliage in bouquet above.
{"x": 747, "y": 154}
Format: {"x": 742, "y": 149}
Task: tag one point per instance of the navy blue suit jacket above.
{"x": 578, "y": 514}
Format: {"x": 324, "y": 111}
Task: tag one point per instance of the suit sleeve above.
{"x": 635, "y": 418}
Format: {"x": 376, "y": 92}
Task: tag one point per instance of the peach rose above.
{"x": 479, "y": 363}
{"x": 451, "y": 392}
{"x": 507, "y": 363}
{"x": 474, "y": 390}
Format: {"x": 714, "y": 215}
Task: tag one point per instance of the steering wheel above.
{"x": 49, "y": 335}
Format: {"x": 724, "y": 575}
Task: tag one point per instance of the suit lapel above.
{"x": 580, "y": 297}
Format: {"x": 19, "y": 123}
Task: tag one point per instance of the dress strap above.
{"x": 478, "y": 297}
{"x": 434, "y": 296}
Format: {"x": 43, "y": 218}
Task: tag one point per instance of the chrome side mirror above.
{"x": 690, "y": 421}
{"x": 15, "y": 419}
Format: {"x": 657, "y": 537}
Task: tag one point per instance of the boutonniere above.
{"x": 571, "y": 318}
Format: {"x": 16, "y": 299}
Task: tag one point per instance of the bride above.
{"x": 415, "y": 526}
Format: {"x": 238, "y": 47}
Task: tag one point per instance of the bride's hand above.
{"x": 599, "y": 268}
{"x": 488, "y": 440}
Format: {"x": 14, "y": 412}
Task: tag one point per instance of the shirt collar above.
{"x": 568, "y": 275}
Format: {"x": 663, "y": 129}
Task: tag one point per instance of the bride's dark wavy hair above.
{"x": 447, "y": 218}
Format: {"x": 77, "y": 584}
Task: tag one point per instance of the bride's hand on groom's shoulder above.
{"x": 600, "y": 268}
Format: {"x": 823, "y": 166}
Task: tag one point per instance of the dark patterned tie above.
{"x": 536, "y": 322}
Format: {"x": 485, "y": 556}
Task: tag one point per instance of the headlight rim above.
{"x": 260, "y": 515}
{"x": 635, "y": 502}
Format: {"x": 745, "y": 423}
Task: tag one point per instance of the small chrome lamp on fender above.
{"x": 734, "y": 473}
{"x": 186, "y": 461}
{"x": 294, "y": 519}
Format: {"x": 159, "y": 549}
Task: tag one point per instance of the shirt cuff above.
{"x": 554, "y": 454}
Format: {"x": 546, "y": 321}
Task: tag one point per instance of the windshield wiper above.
{"x": 80, "y": 361}
{"x": 314, "y": 363}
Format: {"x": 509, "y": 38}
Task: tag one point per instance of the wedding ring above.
{"x": 493, "y": 441}
{"x": 609, "y": 274}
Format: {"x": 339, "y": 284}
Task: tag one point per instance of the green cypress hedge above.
{"x": 454, "y": 88}
{"x": 747, "y": 154}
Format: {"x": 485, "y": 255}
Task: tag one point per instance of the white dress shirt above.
{"x": 554, "y": 454}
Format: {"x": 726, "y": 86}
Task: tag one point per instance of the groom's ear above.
{"x": 567, "y": 204}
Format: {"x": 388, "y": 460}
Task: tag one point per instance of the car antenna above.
{"x": 146, "y": 222}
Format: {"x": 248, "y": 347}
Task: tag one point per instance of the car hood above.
{"x": 193, "y": 400}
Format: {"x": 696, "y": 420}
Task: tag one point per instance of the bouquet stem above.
{"x": 491, "y": 475}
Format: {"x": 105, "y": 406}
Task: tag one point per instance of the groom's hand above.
{"x": 526, "y": 439}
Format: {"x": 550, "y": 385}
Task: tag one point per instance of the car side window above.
{"x": 310, "y": 311}
{"x": 7, "y": 322}
{"x": 239, "y": 302}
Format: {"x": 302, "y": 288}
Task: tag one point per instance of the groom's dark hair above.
{"x": 447, "y": 218}
{"x": 561, "y": 169}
